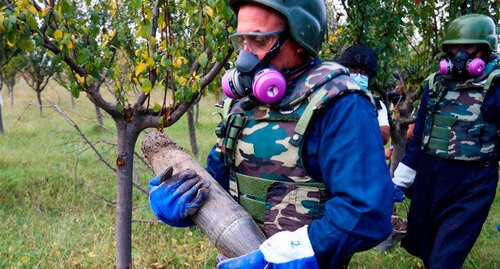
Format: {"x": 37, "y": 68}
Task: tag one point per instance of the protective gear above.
{"x": 399, "y": 193}
{"x": 362, "y": 80}
{"x": 461, "y": 66}
{"x": 267, "y": 85}
{"x": 178, "y": 197}
{"x": 404, "y": 175}
{"x": 284, "y": 250}
{"x": 253, "y": 76}
{"x": 454, "y": 125}
{"x": 258, "y": 43}
{"x": 360, "y": 56}
{"x": 471, "y": 29}
{"x": 293, "y": 198}
{"x": 306, "y": 19}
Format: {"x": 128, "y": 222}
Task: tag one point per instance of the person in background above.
{"x": 298, "y": 146}
{"x": 362, "y": 62}
{"x": 451, "y": 162}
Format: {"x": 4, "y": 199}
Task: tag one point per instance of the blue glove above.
{"x": 178, "y": 197}
{"x": 284, "y": 250}
{"x": 399, "y": 193}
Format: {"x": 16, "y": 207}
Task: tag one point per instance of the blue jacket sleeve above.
{"x": 217, "y": 169}
{"x": 344, "y": 149}
{"x": 491, "y": 105}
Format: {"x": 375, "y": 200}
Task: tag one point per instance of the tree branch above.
{"x": 72, "y": 123}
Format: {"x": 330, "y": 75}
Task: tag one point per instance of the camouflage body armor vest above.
{"x": 454, "y": 125}
{"x": 262, "y": 145}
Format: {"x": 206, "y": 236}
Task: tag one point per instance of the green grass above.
{"x": 56, "y": 197}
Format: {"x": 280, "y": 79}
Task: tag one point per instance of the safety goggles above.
{"x": 258, "y": 43}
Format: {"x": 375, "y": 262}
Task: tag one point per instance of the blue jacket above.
{"x": 343, "y": 148}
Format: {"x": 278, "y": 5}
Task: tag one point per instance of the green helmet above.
{"x": 472, "y": 29}
{"x": 306, "y": 19}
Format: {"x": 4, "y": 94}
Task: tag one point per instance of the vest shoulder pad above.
{"x": 330, "y": 76}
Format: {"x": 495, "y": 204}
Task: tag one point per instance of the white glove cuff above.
{"x": 287, "y": 246}
{"x": 404, "y": 175}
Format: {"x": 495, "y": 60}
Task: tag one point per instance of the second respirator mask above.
{"x": 461, "y": 65}
{"x": 251, "y": 77}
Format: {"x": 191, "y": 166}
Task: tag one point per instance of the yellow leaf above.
{"x": 33, "y": 9}
{"x": 150, "y": 62}
{"x": 70, "y": 45}
{"x": 140, "y": 67}
{"x": 80, "y": 79}
{"x": 183, "y": 81}
{"x": 11, "y": 44}
{"x": 44, "y": 12}
{"x": 58, "y": 34}
{"x": 210, "y": 11}
{"x": 177, "y": 62}
{"x": 153, "y": 41}
{"x": 106, "y": 37}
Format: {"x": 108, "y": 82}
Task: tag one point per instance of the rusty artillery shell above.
{"x": 228, "y": 226}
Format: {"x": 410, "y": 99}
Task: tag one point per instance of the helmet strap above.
{"x": 276, "y": 47}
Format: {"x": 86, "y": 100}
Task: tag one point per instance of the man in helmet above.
{"x": 451, "y": 162}
{"x": 362, "y": 62}
{"x": 298, "y": 146}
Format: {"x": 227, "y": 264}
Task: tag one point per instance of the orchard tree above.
{"x": 40, "y": 67}
{"x": 176, "y": 47}
{"x": 9, "y": 71}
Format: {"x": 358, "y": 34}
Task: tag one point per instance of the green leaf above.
{"x": 203, "y": 59}
{"x": 146, "y": 85}
{"x": 119, "y": 107}
{"x": 156, "y": 107}
{"x": 75, "y": 89}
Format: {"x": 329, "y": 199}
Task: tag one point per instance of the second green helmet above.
{"x": 306, "y": 19}
{"x": 471, "y": 29}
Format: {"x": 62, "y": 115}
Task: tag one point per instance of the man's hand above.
{"x": 284, "y": 250}
{"x": 178, "y": 197}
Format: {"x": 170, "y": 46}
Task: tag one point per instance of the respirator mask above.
{"x": 253, "y": 77}
{"x": 462, "y": 65}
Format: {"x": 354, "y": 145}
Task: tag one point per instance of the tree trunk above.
{"x": 39, "y": 98}
{"x": 399, "y": 147}
{"x": 197, "y": 117}
{"x": 1, "y": 118}
{"x": 99, "y": 117}
{"x": 127, "y": 137}
{"x": 228, "y": 226}
{"x": 11, "y": 94}
{"x": 72, "y": 99}
{"x": 192, "y": 131}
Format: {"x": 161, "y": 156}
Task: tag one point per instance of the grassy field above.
{"x": 56, "y": 197}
